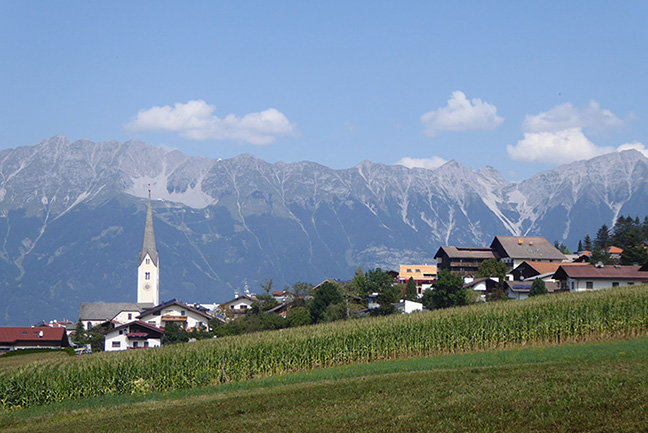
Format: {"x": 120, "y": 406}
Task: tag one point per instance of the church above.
{"x": 147, "y": 316}
{"x": 148, "y": 286}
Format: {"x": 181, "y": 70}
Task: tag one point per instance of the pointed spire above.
{"x": 148, "y": 245}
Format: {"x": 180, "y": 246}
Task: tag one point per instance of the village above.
{"x": 511, "y": 268}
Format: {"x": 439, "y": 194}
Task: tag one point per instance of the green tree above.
{"x": 602, "y": 240}
{"x": 301, "y": 288}
{"x": 335, "y": 312}
{"x": 327, "y": 294}
{"x": 411, "y": 292}
{"x": 491, "y": 268}
{"x": 538, "y": 288}
{"x": 79, "y": 338}
{"x": 448, "y": 291}
{"x": 299, "y": 316}
{"x": 587, "y": 244}
{"x": 580, "y": 246}
{"x": 634, "y": 255}
{"x": 174, "y": 334}
{"x": 96, "y": 338}
{"x": 267, "y": 285}
{"x": 387, "y": 296}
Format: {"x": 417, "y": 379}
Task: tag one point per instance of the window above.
{"x": 135, "y": 343}
{"x": 116, "y": 343}
{"x": 589, "y": 285}
{"x": 146, "y": 344}
{"x": 409, "y": 270}
{"x": 89, "y": 325}
{"x": 151, "y": 322}
{"x": 147, "y": 275}
{"x": 130, "y": 316}
{"x": 182, "y": 313}
{"x": 148, "y": 261}
{"x": 630, "y": 283}
{"x": 121, "y": 331}
{"x": 615, "y": 284}
{"x": 418, "y": 270}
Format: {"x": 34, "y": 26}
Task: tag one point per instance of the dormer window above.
{"x": 147, "y": 275}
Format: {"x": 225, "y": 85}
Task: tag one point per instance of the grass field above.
{"x": 556, "y": 319}
{"x": 570, "y": 388}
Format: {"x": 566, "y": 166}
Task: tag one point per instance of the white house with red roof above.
{"x": 581, "y": 278}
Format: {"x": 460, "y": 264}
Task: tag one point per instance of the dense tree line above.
{"x": 629, "y": 234}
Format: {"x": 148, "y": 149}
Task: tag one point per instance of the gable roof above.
{"x": 178, "y": 303}
{"x": 12, "y": 334}
{"x": 543, "y": 268}
{"x": 489, "y": 282}
{"x": 148, "y": 244}
{"x": 107, "y": 310}
{"x": 525, "y": 286}
{"x": 239, "y": 298}
{"x": 604, "y": 272}
{"x": 418, "y": 272}
{"x": 480, "y": 253}
{"x": 526, "y": 247}
{"x": 140, "y": 323}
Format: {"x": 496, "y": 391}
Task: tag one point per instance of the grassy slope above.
{"x": 595, "y": 387}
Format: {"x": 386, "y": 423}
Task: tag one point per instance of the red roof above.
{"x": 603, "y": 272}
{"x": 278, "y": 292}
{"x": 141, "y": 323}
{"x": 615, "y": 250}
{"x": 11, "y": 334}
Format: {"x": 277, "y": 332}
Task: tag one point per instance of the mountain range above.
{"x": 72, "y": 218}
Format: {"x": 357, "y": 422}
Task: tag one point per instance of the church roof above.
{"x": 106, "y": 310}
{"x": 148, "y": 245}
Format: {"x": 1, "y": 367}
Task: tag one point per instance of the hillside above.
{"x": 72, "y": 215}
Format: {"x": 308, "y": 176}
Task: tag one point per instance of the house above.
{"x": 462, "y": 259}
{"x": 408, "y": 307}
{"x": 133, "y": 335}
{"x": 95, "y": 313}
{"x": 282, "y": 296}
{"x": 543, "y": 270}
{"x": 521, "y": 289}
{"x": 581, "y": 278}
{"x": 237, "y": 306}
{"x": 483, "y": 286}
{"x": 423, "y": 275}
{"x": 513, "y": 250}
{"x": 25, "y": 337}
{"x": 69, "y": 325}
{"x": 186, "y": 316}
{"x": 615, "y": 253}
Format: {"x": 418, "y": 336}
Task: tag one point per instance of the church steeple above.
{"x": 148, "y": 268}
{"x": 148, "y": 245}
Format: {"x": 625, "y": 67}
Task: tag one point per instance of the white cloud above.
{"x": 566, "y": 116}
{"x": 559, "y": 147}
{"x": 634, "y": 145}
{"x": 195, "y": 120}
{"x": 461, "y": 114}
{"x": 429, "y": 163}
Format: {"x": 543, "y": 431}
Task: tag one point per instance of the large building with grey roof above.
{"x": 511, "y": 250}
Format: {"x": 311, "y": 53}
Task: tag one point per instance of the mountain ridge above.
{"x": 72, "y": 216}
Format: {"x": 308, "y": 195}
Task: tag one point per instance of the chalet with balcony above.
{"x": 462, "y": 259}
{"x": 513, "y": 250}
{"x": 185, "y": 316}
{"x": 133, "y": 335}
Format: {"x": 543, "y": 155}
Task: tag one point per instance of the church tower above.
{"x": 148, "y": 269}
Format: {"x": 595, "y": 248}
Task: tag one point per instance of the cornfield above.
{"x": 567, "y": 317}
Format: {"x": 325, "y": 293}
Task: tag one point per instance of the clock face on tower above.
{"x": 147, "y": 286}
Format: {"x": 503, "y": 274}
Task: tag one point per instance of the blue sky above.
{"x": 519, "y": 86}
